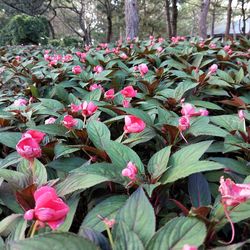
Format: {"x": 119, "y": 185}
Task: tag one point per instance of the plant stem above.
{"x": 110, "y": 237}
{"x": 34, "y": 229}
{"x": 32, "y": 167}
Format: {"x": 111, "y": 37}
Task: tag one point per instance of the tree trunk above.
{"x": 131, "y": 18}
{"x": 229, "y": 16}
{"x": 203, "y": 18}
{"x": 213, "y": 20}
{"x": 110, "y": 29}
{"x": 52, "y": 30}
{"x": 243, "y": 13}
{"x": 174, "y": 17}
{"x": 169, "y": 28}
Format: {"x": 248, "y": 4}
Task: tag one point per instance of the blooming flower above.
{"x": 20, "y": 102}
{"x": 130, "y": 171}
{"x": 233, "y": 194}
{"x": 75, "y": 108}
{"x": 69, "y": 122}
{"x": 36, "y": 135}
{"x": 187, "y": 109}
{"x": 50, "y": 120}
{"x": 129, "y": 91}
{"x": 133, "y": 124}
{"x": 49, "y": 208}
{"x": 28, "y": 148}
{"x": 203, "y": 112}
{"x": 88, "y": 108}
{"x": 110, "y": 94}
{"x": 77, "y": 70}
{"x": 126, "y": 103}
{"x": 213, "y": 69}
{"x": 143, "y": 68}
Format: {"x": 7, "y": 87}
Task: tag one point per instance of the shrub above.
{"x": 24, "y": 29}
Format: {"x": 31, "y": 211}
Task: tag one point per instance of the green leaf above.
{"x": 78, "y": 181}
{"x": 40, "y": 172}
{"x": 157, "y": 164}
{"x": 177, "y": 172}
{"x": 121, "y": 155}
{"x": 182, "y": 88}
{"x": 189, "y": 154}
{"x": 63, "y": 149}
{"x": 55, "y": 241}
{"x": 225, "y": 76}
{"x": 67, "y": 164}
{"x": 125, "y": 238}
{"x": 52, "y": 129}
{"x": 10, "y": 139}
{"x": 107, "y": 208}
{"x": 8, "y": 223}
{"x": 178, "y": 232}
{"x": 102, "y": 76}
{"x": 138, "y": 215}
{"x": 72, "y": 203}
{"x": 10, "y": 159}
{"x": 98, "y": 133}
{"x": 17, "y": 179}
{"x": 51, "y": 104}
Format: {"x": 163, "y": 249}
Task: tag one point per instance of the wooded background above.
{"x": 110, "y": 20}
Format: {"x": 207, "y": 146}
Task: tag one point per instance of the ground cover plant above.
{"x": 136, "y": 145}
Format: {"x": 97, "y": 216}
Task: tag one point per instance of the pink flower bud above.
{"x": 187, "y": 109}
{"x": 96, "y": 86}
{"x": 126, "y": 103}
{"x": 143, "y": 68}
{"x": 161, "y": 40}
{"x": 75, "y": 108}
{"x": 109, "y": 94}
{"x": 130, "y": 171}
{"x": 203, "y": 112}
{"x": 69, "y": 122}
{"x": 241, "y": 114}
{"x": 184, "y": 123}
{"x": 129, "y": 92}
{"x": 123, "y": 56}
{"x": 20, "y": 102}
{"x": 98, "y": 69}
{"x": 188, "y": 247}
{"x": 213, "y": 69}
{"x": 88, "y": 108}
{"x": 29, "y": 215}
{"x": 77, "y": 70}
{"x": 36, "y": 135}
{"x": 50, "y": 120}
{"x": 133, "y": 124}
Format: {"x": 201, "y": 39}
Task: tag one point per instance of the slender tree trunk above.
{"x": 203, "y": 18}
{"x": 110, "y": 29}
{"x": 52, "y": 31}
{"x": 243, "y": 13}
{"x": 169, "y": 28}
{"x": 229, "y": 17}
{"x": 213, "y": 20}
{"x": 174, "y": 17}
{"x": 131, "y": 18}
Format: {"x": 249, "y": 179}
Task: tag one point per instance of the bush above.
{"x": 24, "y": 29}
{"x": 136, "y": 140}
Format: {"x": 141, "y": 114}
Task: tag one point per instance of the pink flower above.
{"x": 129, "y": 92}
{"x": 130, "y": 171}
{"x": 213, "y": 69}
{"x": 212, "y": 46}
{"x": 188, "y": 247}
{"x": 126, "y": 103}
{"x": 50, "y": 120}
{"x": 187, "y": 109}
{"x": 133, "y": 124}
{"x": 77, "y": 70}
{"x": 184, "y": 123}
{"x": 159, "y": 49}
{"x": 88, "y": 108}
{"x": 98, "y": 69}
{"x": 69, "y": 122}
{"x": 161, "y": 40}
{"x": 203, "y": 112}
{"x": 175, "y": 40}
{"x": 123, "y": 56}
{"x": 18, "y": 58}
{"x": 143, "y": 68}
{"x": 67, "y": 58}
{"x": 241, "y": 114}
{"x": 109, "y": 223}
{"x": 75, "y": 108}
{"x": 20, "y": 102}
{"x": 151, "y": 37}
{"x": 36, "y": 135}
{"x": 49, "y": 208}
{"x": 28, "y": 148}
{"x": 201, "y": 44}
{"x": 233, "y": 194}
{"x": 135, "y": 68}
{"x": 109, "y": 94}
{"x": 96, "y": 86}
